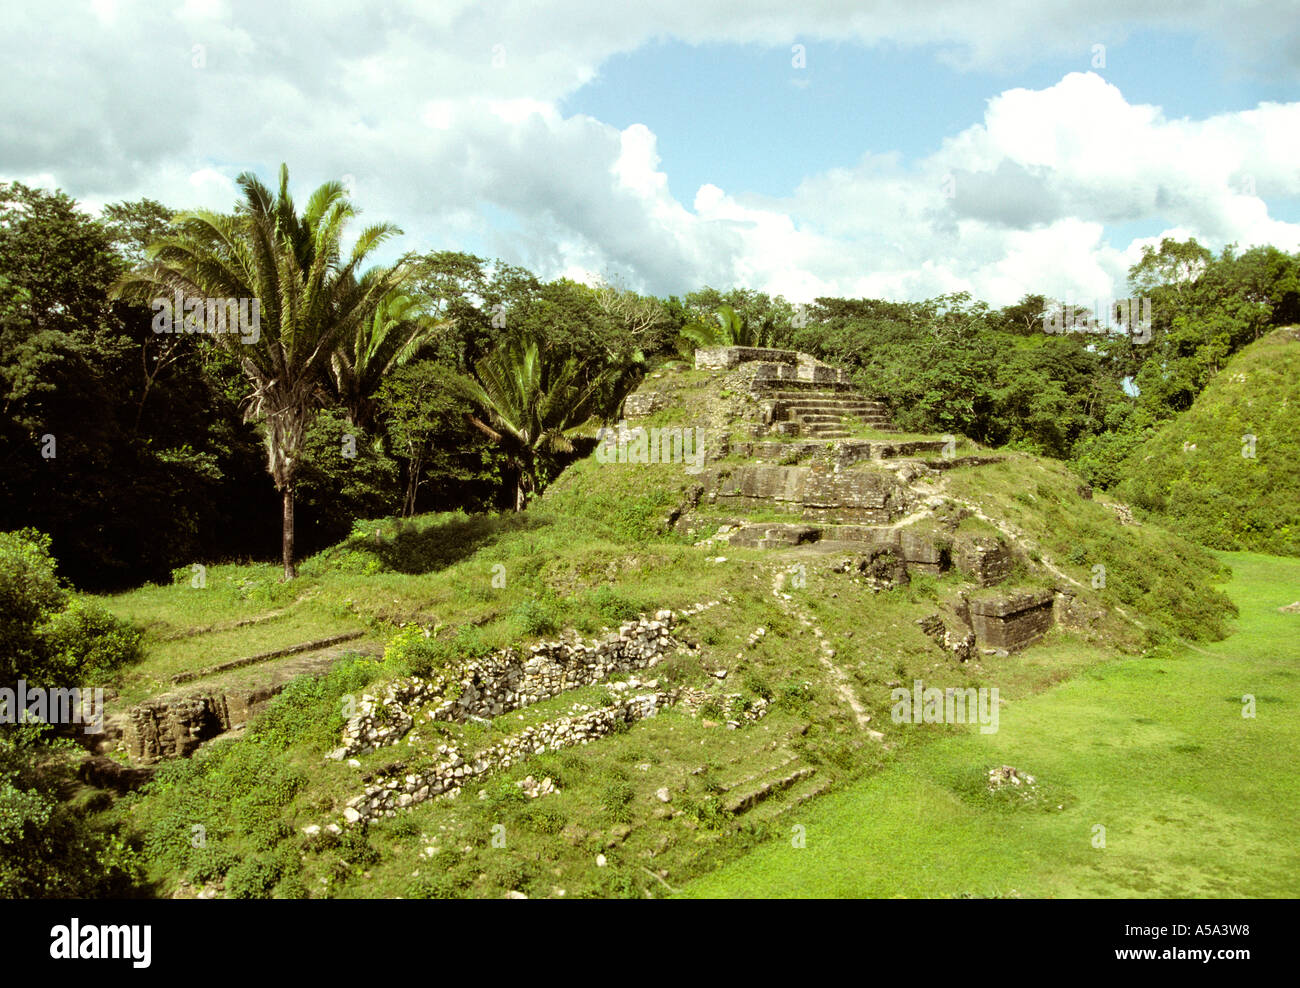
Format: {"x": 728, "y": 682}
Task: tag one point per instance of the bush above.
{"x": 616, "y": 798}
{"x": 29, "y": 594}
{"x": 757, "y": 684}
{"x": 438, "y": 886}
{"x": 86, "y": 643}
{"x": 208, "y": 864}
{"x": 533, "y": 618}
{"x": 46, "y": 638}
{"x": 254, "y": 877}
{"x": 612, "y": 605}
{"x": 415, "y": 652}
{"x": 47, "y": 848}
{"x": 355, "y": 847}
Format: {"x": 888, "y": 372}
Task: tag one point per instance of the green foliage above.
{"x": 254, "y": 877}
{"x": 30, "y": 593}
{"x": 86, "y": 643}
{"x": 225, "y": 803}
{"x": 534, "y": 618}
{"x": 616, "y": 799}
{"x": 612, "y": 605}
{"x": 92, "y": 376}
{"x": 535, "y": 399}
{"x": 345, "y": 474}
{"x": 413, "y": 652}
{"x": 48, "y": 848}
{"x": 46, "y": 637}
{"x": 1192, "y": 472}
{"x": 795, "y": 694}
{"x": 310, "y": 709}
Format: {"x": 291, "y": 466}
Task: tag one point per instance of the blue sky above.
{"x": 741, "y": 117}
{"x": 923, "y": 148}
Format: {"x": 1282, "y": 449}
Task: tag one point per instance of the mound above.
{"x": 751, "y": 593}
{"x": 1224, "y": 472}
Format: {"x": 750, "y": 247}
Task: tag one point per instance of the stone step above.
{"x": 800, "y": 792}
{"x": 775, "y": 385}
{"x": 741, "y": 800}
{"x": 831, "y": 403}
{"x": 859, "y": 413}
{"x": 806, "y": 392}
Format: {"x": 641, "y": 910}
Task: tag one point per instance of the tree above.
{"x": 395, "y": 334}
{"x": 423, "y": 410}
{"x": 308, "y": 296}
{"x": 534, "y": 402}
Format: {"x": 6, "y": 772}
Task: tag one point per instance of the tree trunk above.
{"x": 286, "y": 542}
{"x": 519, "y": 492}
{"x": 413, "y": 468}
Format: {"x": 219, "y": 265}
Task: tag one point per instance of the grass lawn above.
{"x": 1196, "y": 800}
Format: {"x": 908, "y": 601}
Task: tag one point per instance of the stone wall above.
{"x": 730, "y": 357}
{"x": 387, "y": 794}
{"x": 766, "y": 364}
{"x": 506, "y": 680}
{"x": 851, "y": 495}
{"x": 986, "y": 559}
{"x": 173, "y": 726}
{"x": 398, "y": 789}
{"x": 644, "y": 403}
{"x": 1010, "y": 622}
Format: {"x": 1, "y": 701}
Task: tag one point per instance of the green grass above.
{"x": 593, "y": 551}
{"x": 1212, "y": 493}
{"x": 1196, "y": 800}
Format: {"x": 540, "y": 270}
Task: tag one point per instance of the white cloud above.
{"x": 447, "y": 117}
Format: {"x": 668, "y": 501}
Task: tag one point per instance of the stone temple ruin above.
{"x": 796, "y": 439}
{"x": 787, "y": 437}
{"x": 797, "y": 394}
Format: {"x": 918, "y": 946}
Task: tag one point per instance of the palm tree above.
{"x": 727, "y": 328}
{"x": 395, "y": 334}
{"x": 535, "y": 402}
{"x": 310, "y": 298}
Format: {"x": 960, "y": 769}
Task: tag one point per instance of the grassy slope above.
{"x": 1212, "y": 493}
{"x": 1196, "y": 800}
{"x": 589, "y": 553}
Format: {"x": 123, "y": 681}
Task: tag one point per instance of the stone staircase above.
{"x": 820, "y": 413}
{"x": 797, "y": 393}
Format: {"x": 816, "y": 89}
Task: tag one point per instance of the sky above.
{"x": 847, "y": 148}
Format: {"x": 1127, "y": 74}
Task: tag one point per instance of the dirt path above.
{"x": 825, "y": 654}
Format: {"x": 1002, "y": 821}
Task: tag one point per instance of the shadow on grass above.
{"x": 403, "y": 547}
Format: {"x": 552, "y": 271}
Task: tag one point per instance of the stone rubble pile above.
{"x": 693, "y": 700}
{"x": 533, "y": 788}
{"x": 1008, "y": 775}
{"x": 960, "y": 646}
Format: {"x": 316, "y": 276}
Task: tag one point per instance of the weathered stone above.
{"x": 1010, "y": 622}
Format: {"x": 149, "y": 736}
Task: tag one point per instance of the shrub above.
{"x": 415, "y": 652}
{"x": 29, "y": 594}
{"x": 47, "y": 848}
{"x": 47, "y": 638}
{"x": 85, "y": 642}
{"x": 612, "y": 605}
{"x": 254, "y": 877}
{"x": 616, "y": 798}
{"x": 533, "y": 618}
{"x": 355, "y": 847}
{"x": 756, "y": 684}
{"x": 437, "y": 886}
